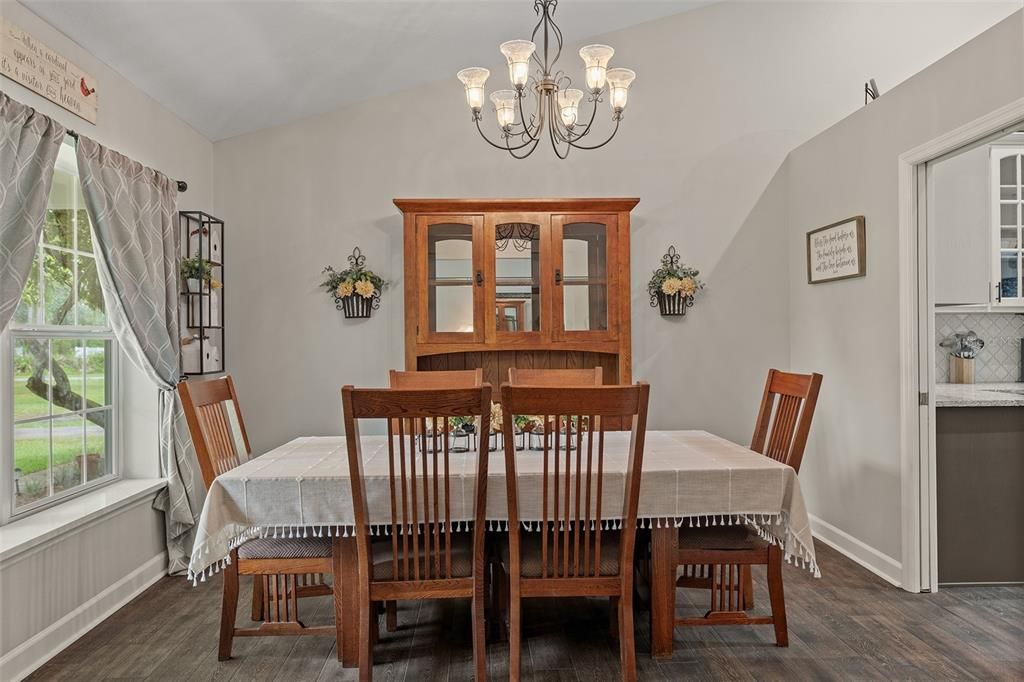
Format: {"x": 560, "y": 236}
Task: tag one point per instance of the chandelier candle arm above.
{"x": 503, "y": 147}
{"x": 598, "y": 146}
{"x": 537, "y": 118}
{"x": 557, "y": 106}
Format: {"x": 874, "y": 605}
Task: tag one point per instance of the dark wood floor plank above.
{"x": 848, "y": 625}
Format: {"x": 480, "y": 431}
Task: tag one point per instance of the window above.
{"x": 1008, "y": 222}
{"x": 60, "y": 358}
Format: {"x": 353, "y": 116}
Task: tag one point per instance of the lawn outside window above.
{"x": 59, "y": 365}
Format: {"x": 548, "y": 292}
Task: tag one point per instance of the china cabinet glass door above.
{"x": 585, "y": 271}
{"x": 451, "y": 275}
{"x": 518, "y": 255}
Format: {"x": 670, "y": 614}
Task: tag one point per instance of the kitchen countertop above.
{"x": 979, "y": 395}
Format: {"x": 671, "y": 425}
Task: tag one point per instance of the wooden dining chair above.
{"x": 720, "y": 558}
{"x": 426, "y": 555}
{"x": 284, "y": 570}
{"x": 456, "y": 378}
{"x": 573, "y": 553}
{"x": 555, "y": 377}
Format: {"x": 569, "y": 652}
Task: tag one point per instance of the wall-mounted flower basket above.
{"x": 355, "y": 306}
{"x": 673, "y": 286}
{"x": 356, "y": 291}
{"x": 674, "y": 304}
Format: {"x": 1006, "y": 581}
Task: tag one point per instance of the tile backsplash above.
{"x": 999, "y": 360}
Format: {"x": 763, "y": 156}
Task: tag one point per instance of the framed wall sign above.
{"x": 29, "y": 62}
{"x": 836, "y": 251}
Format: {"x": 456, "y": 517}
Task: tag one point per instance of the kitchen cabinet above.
{"x": 1007, "y": 175}
{"x": 976, "y": 226}
{"x": 958, "y": 217}
{"x": 496, "y": 283}
{"x": 979, "y": 478}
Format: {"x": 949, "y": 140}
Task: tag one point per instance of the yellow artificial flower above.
{"x": 496, "y": 417}
{"x": 364, "y": 288}
{"x": 671, "y": 285}
{"x": 687, "y": 286}
{"x": 215, "y": 283}
{"x": 344, "y": 289}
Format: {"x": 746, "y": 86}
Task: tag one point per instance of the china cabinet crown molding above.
{"x": 590, "y": 328}
{"x": 551, "y": 205}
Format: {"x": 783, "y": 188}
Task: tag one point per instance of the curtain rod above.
{"x": 182, "y": 185}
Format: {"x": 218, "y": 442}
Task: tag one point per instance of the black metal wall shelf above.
{"x": 202, "y": 308}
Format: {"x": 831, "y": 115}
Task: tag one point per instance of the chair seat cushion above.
{"x": 461, "y": 557}
{"x": 530, "y": 555}
{"x": 720, "y": 538}
{"x": 285, "y": 548}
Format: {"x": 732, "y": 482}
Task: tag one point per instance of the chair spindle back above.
{"x": 419, "y": 475}
{"x": 215, "y": 423}
{"x": 456, "y": 378}
{"x": 574, "y": 481}
{"x": 784, "y": 420}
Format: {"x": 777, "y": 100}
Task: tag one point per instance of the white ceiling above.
{"x": 229, "y": 67}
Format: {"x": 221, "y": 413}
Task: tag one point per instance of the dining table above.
{"x": 689, "y": 479}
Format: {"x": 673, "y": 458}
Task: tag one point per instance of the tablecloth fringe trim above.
{"x": 796, "y": 552}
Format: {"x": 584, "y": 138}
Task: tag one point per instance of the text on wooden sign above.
{"x": 29, "y": 62}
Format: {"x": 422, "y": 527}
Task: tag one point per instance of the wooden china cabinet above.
{"x": 499, "y": 283}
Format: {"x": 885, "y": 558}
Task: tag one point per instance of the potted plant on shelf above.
{"x": 198, "y": 274}
{"x": 673, "y": 286}
{"x": 356, "y": 290}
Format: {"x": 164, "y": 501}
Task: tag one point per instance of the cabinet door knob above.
{"x": 558, "y": 276}
{"x": 479, "y": 278}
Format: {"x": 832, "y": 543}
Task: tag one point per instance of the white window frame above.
{"x": 996, "y": 153}
{"x": 8, "y": 511}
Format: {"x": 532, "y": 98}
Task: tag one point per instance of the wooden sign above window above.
{"x": 837, "y": 251}
{"x": 29, "y": 62}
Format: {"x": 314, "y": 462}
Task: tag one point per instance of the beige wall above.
{"x": 723, "y": 94}
{"x": 849, "y": 330}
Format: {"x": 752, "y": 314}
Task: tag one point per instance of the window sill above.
{"x": 22, "y": 535}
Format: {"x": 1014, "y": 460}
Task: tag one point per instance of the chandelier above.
{"x": 555, "y": 109}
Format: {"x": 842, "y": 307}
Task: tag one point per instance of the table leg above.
{"x": 346, "y": 600}
{"x": 664, "y": 553}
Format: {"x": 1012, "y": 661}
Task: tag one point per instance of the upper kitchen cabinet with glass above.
{"x": 497, "y": 283}
{"x": 1008, "y": 223}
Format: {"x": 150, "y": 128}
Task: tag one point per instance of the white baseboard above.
{"x": 882, "y": 565}
{"x": 44, "y": 645}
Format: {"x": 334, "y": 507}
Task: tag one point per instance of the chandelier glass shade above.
{"x": 544, "y": 103}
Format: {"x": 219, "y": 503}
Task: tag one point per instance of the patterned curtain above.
{"x": 29, "y": 143}
{"x": 137, "y": 247}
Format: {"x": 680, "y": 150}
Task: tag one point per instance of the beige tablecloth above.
{"x": 690, "y": 478}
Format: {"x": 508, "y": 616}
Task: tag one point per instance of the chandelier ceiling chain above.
{"x": 555, "y": 110}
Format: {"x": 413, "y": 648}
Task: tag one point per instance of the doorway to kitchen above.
{"x": 962, "y": 321}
